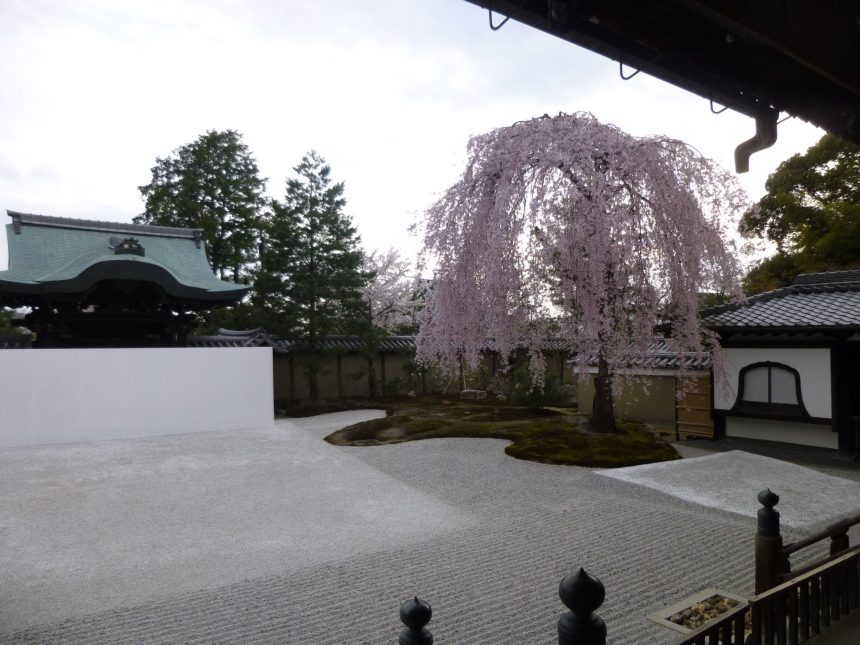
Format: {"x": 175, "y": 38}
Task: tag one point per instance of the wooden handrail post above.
{"x": 582, "y": 594}
{"x": 839, "y": 540}
{"x": 415, "y": 614}
{"x": 768, "y": 542}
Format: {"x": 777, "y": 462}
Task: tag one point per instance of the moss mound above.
{"x": 553, "y": 436}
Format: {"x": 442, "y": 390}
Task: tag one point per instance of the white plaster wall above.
{"x": 807, "y": 434}
{"x": 813, "y": 365}
{"x": 64, "y": 395}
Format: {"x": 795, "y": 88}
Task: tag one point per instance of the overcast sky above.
{"x": 388, "y": 91}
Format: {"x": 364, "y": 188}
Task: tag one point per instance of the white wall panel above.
{"x": 64, "y": 395}
{"x": 807, "y": 434}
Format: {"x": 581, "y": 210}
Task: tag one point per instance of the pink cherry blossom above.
{"x": 570, "y": 220}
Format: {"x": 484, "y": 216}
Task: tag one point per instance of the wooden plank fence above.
{"x": 16, "y": 341}
{"x": 693, "y": 411}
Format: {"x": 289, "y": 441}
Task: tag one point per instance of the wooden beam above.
{"x": 831, "y": 48}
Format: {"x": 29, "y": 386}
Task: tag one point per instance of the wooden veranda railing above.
{"x": 838, "y": 535}
{"x": 792, "y": 612}
{"x": 804, "y": 606}
{"x": 789, "y": 608}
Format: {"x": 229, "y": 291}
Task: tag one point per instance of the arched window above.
{"x": 770, "y": 389}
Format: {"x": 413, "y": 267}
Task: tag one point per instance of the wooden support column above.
{"x": 768, "y": 543}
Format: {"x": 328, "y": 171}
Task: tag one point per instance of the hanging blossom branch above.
{"x": 566, "y": 217}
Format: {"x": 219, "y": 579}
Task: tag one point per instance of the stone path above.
{"x": 491, "y": 572}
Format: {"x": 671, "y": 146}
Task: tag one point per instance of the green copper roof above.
{"x": 51, "y": 255}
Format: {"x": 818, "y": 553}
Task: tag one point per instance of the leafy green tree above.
{"x": 212, "y": 183}
{"x": 774, "y": 272}
{"x": 310, "y": 280}
{"x": 811, "y": 213}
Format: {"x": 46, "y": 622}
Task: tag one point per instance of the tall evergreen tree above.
{"x": 212, "y": 183}
{"x": 310, "y": 281}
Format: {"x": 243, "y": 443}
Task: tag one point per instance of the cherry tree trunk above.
{"x": 603, "y": 408}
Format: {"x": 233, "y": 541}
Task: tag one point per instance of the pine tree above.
{"x": 310, "y": 281}
{"x": 212, "y": 183}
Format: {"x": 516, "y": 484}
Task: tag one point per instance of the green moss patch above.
{"x": 552, "y": 436}
{"x": 324, "y": 406}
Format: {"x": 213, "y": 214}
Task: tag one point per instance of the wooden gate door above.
{"x": 693, "y": 411}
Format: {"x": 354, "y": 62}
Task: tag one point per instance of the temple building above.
{"x": 790, "y": 364}
{"x": 105, "y": 284}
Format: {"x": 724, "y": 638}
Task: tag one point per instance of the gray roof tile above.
{"x": 389, "y": 344}
{"x": 661, "y": 356}
{"x": 231, "y": 338}
{"x": 30, "y": 219}
{"x": 828, "y": 277}
{"x": 816, "y": 300}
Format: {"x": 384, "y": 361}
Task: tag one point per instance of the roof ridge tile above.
{"x": 31, "y": 219}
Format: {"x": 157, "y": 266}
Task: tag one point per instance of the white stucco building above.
{"x": 790, "y": 364}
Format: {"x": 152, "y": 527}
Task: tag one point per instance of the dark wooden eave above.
{"x": 757, "y": 57}
{"x": 784, "y": 335}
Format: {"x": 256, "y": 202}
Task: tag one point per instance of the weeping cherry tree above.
{"x": 569, "y": 219}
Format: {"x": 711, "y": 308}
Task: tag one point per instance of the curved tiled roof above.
{"x": 666, "y": 358}
{"x": 60, "y": 255}
{"x": 390, "y": 344}
{"x": 661, "y": 356}
{"x": 828, "y": 277}
{"x": 814, "y": 301}
{"x": 29, "y": 219}
{"x": 231, "y": 338}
